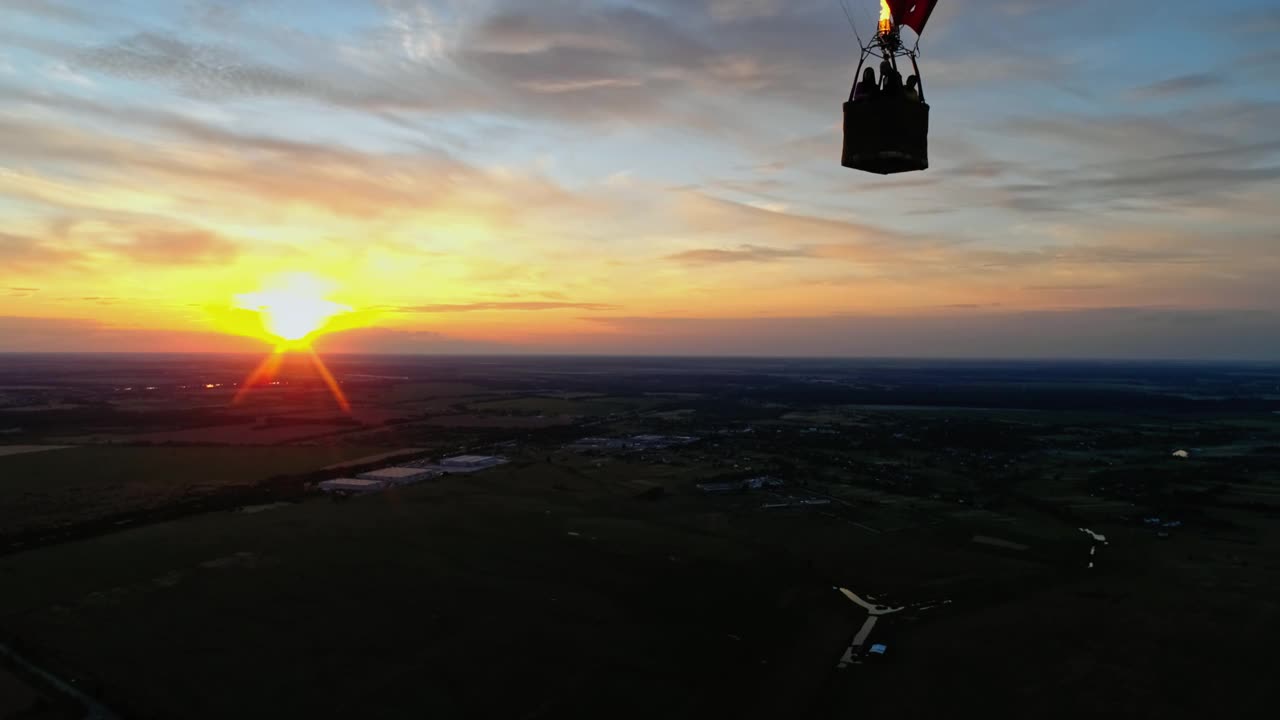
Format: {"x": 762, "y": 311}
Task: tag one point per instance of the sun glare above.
{"x": 294, "y": 308}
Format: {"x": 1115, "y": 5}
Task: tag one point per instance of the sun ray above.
{"x": 263, "y": 374}
{"x": 293, "y": 309}
{"x": 329, "y": 380}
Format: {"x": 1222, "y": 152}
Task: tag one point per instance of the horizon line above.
{"x": 627, "y": 356}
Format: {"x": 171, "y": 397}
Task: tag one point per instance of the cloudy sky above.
{"x": 644, "y": 176}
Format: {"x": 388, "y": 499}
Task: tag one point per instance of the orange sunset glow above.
{"x": 658, "y": 179}
{"x": 293, "y": 309}
{"x": 690, "y": 359}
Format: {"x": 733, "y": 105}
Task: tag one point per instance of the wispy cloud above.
{"x": 52, "y": 9}
{"x": 1181, "y": 85}
{"x": 27, "y": 254}
{"x": 744, "y": 253}
{"x": 501, "y": 306}
{"x": 44, "y": 334}
{"x": 393, "y": 341}
{"x": 179, "y": 247}
{"x": 63, "y": 73}
{"x": 1067, "y": 288}
{"x": 200, "y": 69}
{"x": 965, "y": 331}
{"x": 672, "y": 158}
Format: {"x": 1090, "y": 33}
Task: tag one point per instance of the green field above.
{"x": 468, "y": 597}
{"x": 564, "y": 406}
{"x": 605, "y": 583}
{"x": 550, "y": 579}
{"x": 547, "y": 575}
{"x": 58, "y": 487}
{"x": 418, "y": 391}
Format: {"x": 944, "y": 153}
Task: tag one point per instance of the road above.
{"x": 94, "y": 710}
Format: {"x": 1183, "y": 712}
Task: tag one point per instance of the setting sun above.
{"x": 293, "y": 308}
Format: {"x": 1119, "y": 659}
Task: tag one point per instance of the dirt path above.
{"x": 94, "y": 709}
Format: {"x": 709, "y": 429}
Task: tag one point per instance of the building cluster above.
{"x": 629, "y": 444}
{"x": 1161, "y": 525}
{"x": 408, "y": 474}
{"x": 459, "y": 463}
{"x": 733, "y": 486}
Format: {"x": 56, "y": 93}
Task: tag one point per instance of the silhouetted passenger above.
{"x": 890, "y": 79}
{"x": 913, "y": 88}
{"x": 867, "y": 87}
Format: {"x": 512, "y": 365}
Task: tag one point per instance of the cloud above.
{"x": 245, "y": 169}
{"x": 202, "y": 70}
{"x": 1066, "y": 288}
{"x": 520, "y": 32}
{"x": 733, "y": 10}
{"x": 76, "y": 250}
{"x": 1135, "y": 163}
{"x": 421, "y": 35}
{"x": 1111, "y": 254}
{"x": 1181, "y": 85}
{"x": 961, "y": 332}
{"x": 42, "y": 334}
{"x": 1112, "y": 333}
{"x": 52, "y": 10}
{"x": 179, "y": 247}
{"x": 501, "y": 306}
{"x": 598, "y": 64}
{"x": 1117, "y": 137}
{"x": 660, "y": 63}
{"x": 426, "y": 123}
{"x": 1134, "y": 188}
{"x": 1259, "y": 20}
{"x": 61, "y": 72}
{"x": 616, "y": 64}
{"x": 388, "y": 341}
{"x": 702, "y": 212}
{"x": 26, "y": 254}
{"x": 744, "y": 253}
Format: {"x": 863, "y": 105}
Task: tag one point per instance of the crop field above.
{"x": 552, "y": 575}
{"x": 563, "y": 406}
{"x": 468, "y": 586}
{"x": 83, "y": 483}
{"x": 666, "y": 539}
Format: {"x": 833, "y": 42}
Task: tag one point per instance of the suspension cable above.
{"x": 849, "y": 16}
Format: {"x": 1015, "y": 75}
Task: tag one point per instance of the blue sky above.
{"x": 566, "y": 176}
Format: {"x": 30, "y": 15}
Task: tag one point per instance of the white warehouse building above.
{"x": 352, "y": 486}
{"x": 468, "y": 463}
{"x": 399, "y": 475}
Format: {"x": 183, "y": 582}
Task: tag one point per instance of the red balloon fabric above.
{"x": 912, "y": 13}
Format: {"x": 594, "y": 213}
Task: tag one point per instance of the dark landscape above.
{"x": 655, "y": 359}
{"x": 667, "y": 537}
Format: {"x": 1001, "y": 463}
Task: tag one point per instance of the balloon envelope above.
{"x": 912, "y": 13}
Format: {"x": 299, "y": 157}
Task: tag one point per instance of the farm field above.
{"x": 684, "y": 534}
{"x": 89, "y": 482}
